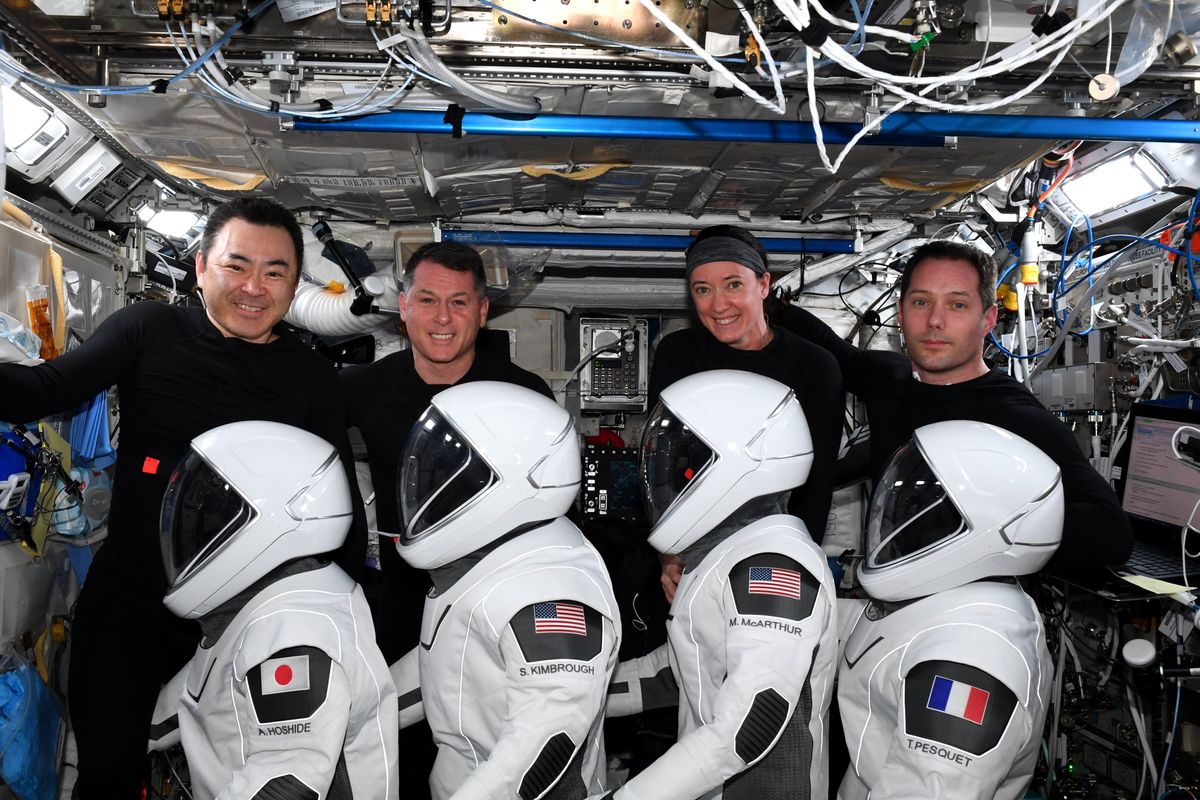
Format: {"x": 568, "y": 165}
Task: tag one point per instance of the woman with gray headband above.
{"x": 728, "y": 280}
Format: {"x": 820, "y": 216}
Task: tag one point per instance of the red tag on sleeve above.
{"x": 150, "y": 466}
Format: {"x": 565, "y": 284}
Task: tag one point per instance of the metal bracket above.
{"x": 283, "y": 73}
{"x": 873, "y": 109}
{"x": 64, "y": 231}
{"x": 993, "y": 213}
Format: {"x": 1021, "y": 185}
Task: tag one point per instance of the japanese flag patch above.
{"x": 288, "y": 674}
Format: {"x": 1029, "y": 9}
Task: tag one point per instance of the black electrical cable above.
{"x": 841, "y": 283}
{"x": 161, "y": 239}
{"x": 872, "y": 308}
{"x": 838, "y": 293}
{"x": 880, "y": 326}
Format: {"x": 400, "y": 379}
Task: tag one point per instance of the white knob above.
{"x": 1103, "y": 87}
{"x": 1139, "y": 653}
{"x": 374, "y": 285}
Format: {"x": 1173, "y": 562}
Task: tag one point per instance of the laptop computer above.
{"x": 1159, "y": 490}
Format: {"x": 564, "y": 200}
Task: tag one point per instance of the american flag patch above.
{"x": 775, "y": 580}
{"x": 559, "y": 618}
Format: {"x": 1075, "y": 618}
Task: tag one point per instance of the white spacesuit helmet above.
{"x": 247, "y": 498}
{"x": 484, "y": 459}
{"x": 715, "y": 441}
{"x": 959, "y": 502}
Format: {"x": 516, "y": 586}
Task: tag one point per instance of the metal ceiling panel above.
{"x": 425, "y": 176}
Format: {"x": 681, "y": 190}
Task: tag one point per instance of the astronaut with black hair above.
{"x": 945, "y": 676}
{"x": 751, "y": 650}
{"x": 520, "y": 633}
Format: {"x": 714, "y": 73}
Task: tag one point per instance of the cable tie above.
{"x": 815, "y": 33}
{"x": 232, "y": 74}
{"x": 273, "y": 107}
{"x": 324, "y": 104}
{"x": 160, "y": 86}
{"x": 454, "y": 118}
{"x": 922, "y": 42}
{"x": 1044, "y": 24}
{"x": 244, "y": 18}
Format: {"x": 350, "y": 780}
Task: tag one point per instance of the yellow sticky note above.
{"x": 1154, "y": 585}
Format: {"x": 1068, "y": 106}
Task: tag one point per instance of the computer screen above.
{"x": 1158, "y": 485}
{"x": 625, "y": 492}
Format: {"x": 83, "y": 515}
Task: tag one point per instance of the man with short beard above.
{"x": 947, "y": 309}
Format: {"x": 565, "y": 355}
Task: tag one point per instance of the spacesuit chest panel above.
{"x": 988, "y": 625}
{"x": 697, "y": 646}
{"x": 199, "y": 674}
{"x": 252, "y": 635}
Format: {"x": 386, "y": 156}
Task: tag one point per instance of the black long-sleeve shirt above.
{"x": 384, "y": 400}
{"x": 1096, "y": 531}
{"x": 811, "y": 372}
{"x": 178, "y": 376}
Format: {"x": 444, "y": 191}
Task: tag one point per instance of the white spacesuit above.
{"x": 520, "y": 634}
{"x": 287, "y": 696}
{"x": 945, "y": 675}
{"x": 751, "y": 635}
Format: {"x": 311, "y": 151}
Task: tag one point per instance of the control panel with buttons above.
{"x": 617, "y": 376}
{"x": 611, "y": 487}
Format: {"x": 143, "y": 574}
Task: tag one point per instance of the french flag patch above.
{"x": 289, "y": 674}
{"x": 958, "y": 699}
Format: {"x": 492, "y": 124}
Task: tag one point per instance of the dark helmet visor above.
{"x": 200, "y": 512}
{"x": 439, "y": 474}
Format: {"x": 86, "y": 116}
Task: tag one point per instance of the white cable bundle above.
{"x": 1016, "y": 55}
{"x": 213, "y": 77}
{"x": 430, "y": 66}
{"x": 778, "y": 105}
